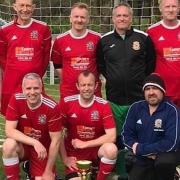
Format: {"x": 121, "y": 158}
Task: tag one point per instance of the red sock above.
{"x": 105, "y": 168}
{"x": 11, "y": 169}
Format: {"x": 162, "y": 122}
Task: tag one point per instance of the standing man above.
{"x": 75, "y": 51}
{"x": 166, "y": 37}
{"x": 91, "y": 131}
{"x": 1, "y": 72}
{"x": 27, "y": 49}
{"x": 125, "y": 57}
{"x": 152, "y": 132}
{"x": 33, "y": 124}
{"x": 2, "y": 64}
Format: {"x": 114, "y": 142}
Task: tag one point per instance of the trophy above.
{"x": 84, "y": 167}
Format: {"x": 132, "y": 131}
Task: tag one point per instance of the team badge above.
{"x": 90, "y": 46}
{"x": 158, "y": 123}
{"x": 42, "y": 119}
{"x": 94, "y": 115}
{"x": 136, "y": 45}
{"x": 34, "y": 35}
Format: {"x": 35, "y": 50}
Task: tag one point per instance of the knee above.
{"x": 164, "y": 161}
{"x": 9, "y": 148}
{"x": 108, "y": 150}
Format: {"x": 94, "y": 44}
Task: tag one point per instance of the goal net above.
{"x": 56, "y": 14}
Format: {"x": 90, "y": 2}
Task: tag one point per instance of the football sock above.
{"x": 11, "y": 168}
{"x": 105, "y": 168}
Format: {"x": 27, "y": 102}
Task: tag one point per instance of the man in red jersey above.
{"x": 1, "y": 62}
{"x": 27, "y": 45}
{"x": 75, "y": 51}
{"x": 0, "y": 83}
{"x": 33, "y": 124}
{"x": 166, "y": 37}
{"x": 91, "y": 131}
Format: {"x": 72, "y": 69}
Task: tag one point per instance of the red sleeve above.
{"x": 55, "y": 120}
{"x": 63, "y": 110}
{"x": 3, "y": 50}
{"x": 11, "y": 112}
{"x": 108, "y": 118}
{"x": 46, "y": 48}
{"x": 56, "y": 56}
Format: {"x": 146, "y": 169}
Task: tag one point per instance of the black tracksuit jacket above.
{"x": 125, "y": 63}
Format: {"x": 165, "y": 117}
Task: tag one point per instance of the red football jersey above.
{"x": 167, "y": 46}
{"x": 37, "y": 122}
{"x": 2, "y": 51}
{"x": 27, "y": 49}
{"x": 85, "y": 123}
{"x": 74, "y": 55}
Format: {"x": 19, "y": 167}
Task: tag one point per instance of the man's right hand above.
{"x": 40, "y": 150}
{"x": 134, "y": 147}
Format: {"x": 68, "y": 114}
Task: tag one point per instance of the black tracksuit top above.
{"x": 125, "y": 63}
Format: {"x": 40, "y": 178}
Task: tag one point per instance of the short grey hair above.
{"x": 160, "y": 2}
{"x": 123, "y": 3}
{"x": 32, "y": 76}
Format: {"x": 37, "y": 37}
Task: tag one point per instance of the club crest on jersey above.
{"x": 158, "y": 123}
{"x": 42, "y": 119}
{"x": 136, "y": 45}
{"x": 95, "y": 116}
{"x": 90, "y": 46}
{"x": 34, "y": 35}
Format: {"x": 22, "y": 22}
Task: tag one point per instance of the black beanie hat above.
{"x": 154, "y": 79}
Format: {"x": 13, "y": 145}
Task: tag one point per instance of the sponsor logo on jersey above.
{"x": 139, "y": 121}
{"x": 90, "y": 46}
{"x": 68, "y": 49}
{"x": 111, "y": 46}
{"x": 10, "y": 176}
{"x": 74, "y": 115}
{"x": 158, "y": 123}
{"x": 42, "y": 119}
{"x": 136, "y": 45}
{"x": 24, "y": 116}
{"x": 34, "y": 35}
{"x": 85, "y": 132}
{"x": 14, "y": 37}
{"x": 95, "y": 116}
{"x": 80, "y": 63}
{"x": 24, "y": 53}
{"x": 161, "y": 38}
{"x": 108, "y": 172}
{"x": 171, "y": 54}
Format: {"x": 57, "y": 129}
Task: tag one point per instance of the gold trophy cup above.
{"x": 84, "y": 167}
